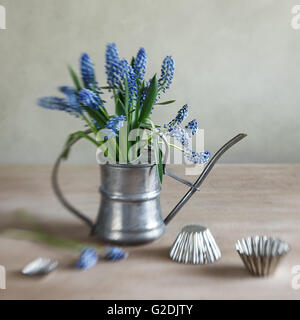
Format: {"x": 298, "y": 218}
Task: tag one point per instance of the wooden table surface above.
{"x": 235, "y": 201}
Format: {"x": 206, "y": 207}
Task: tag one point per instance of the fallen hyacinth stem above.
{"x": 112, "y": 253}
{"x": 39, "y": 236}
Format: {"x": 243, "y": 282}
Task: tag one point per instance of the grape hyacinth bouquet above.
{"x": 134, "y": 100}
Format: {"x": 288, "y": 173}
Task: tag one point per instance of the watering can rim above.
{"x": 128, "y": 165}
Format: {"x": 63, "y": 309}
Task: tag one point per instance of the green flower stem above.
{"x": 91, "y": 126}
{"x": 104, "y": 112}
{"x": 39, "y": 236}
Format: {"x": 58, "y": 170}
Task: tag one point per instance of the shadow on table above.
{"x": 150, "y": 253}
{"x": 228, "y": 271}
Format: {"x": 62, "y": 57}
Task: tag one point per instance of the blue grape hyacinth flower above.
{"x": 128, "y": 73}
{"x": 140, "y": 64}
{"x": 180, "y": 135}
{"x": 55, "y": 103}
{"x": 71, "y": 96}
{"x": 113, "y": 126}
{"x": 112, "y": 66}
{"x": 181, "y": 115}
{"x": 184, "y": 136}
{"x": 90, "y": 99}
{"x": 144, "y": 94}
{"x": 87, "y": 71}
{"x": 192, "y": 127}
{"x": 88, "y": 258}
{"x": 115, "y": 253}
{"x": 197, "y": 157}
{"x": 167, "y": 73}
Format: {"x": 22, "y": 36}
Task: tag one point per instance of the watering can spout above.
{"x": 195, "y": 187}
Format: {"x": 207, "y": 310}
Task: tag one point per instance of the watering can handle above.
{"x": 57, "y": 189}
{"x": 195, "y": 187}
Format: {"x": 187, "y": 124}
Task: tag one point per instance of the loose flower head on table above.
{"x": 135, "y": 99}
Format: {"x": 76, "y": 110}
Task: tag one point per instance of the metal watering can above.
{"x": 130, "y": 212}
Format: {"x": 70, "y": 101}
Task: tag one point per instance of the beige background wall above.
{"x": 237, "y": 65}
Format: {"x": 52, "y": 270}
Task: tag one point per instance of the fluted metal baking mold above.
{"x": 261, "y": 254}
{"x": 195, "y": 245}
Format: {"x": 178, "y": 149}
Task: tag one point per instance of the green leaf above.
{"x": 157, "y": 152}
{"x": 126, "y": 96}
{"x": 96, "y": 115}
{"x": 138, "y": 105}
{"x": 71, "y": 137}
{"x": 132, "y": 61}
{"x": 150, "y": 99}
{"x": 158, "y": 157}
{"x": 123, "y": 143}
{"x": 120, "y": 107}
{"x": 84, "y": 135}
{"x": 106, "y": 87}
{"x": 164, "y": 103}
{"x": 75, "y": 78}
